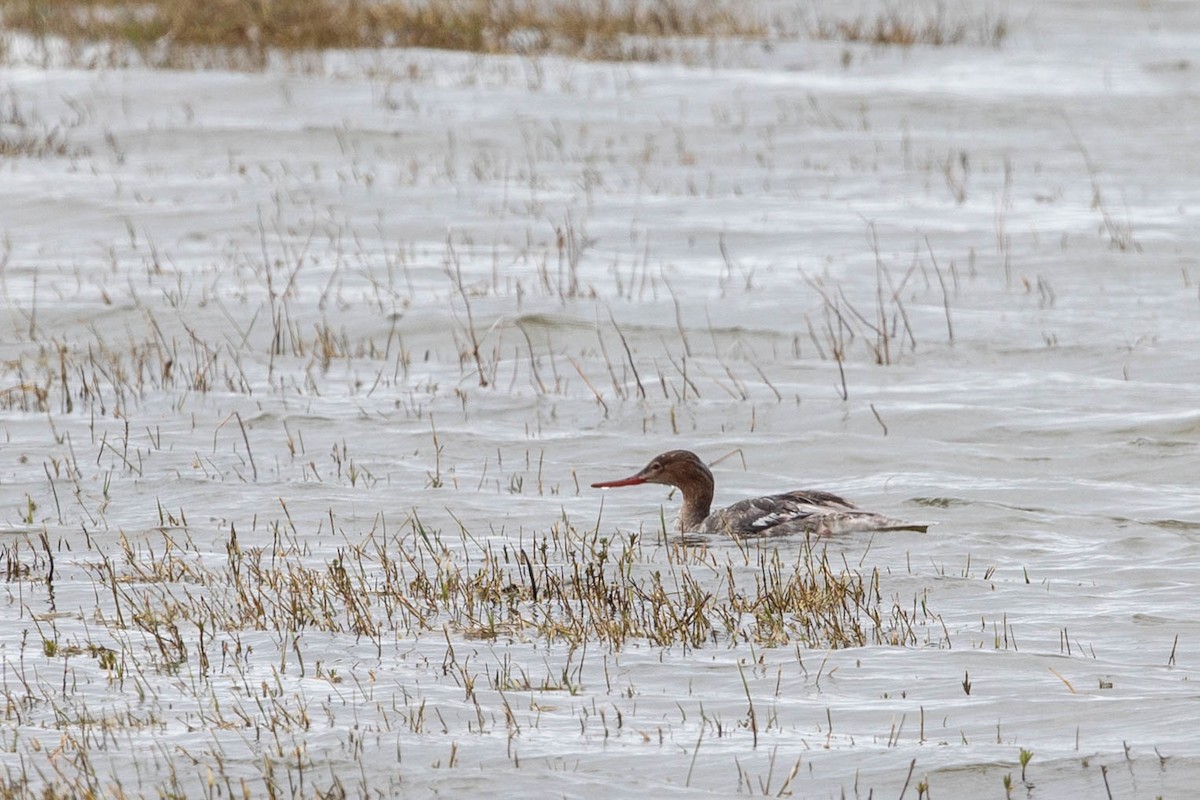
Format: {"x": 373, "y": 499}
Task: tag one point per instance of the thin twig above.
{"x": 879, "y": 419}
{"x": 456, "y": 276}
{"x": 945, "y": 295}
{"x": 911, "y": 766}
{"x": 599, "y": 398}
{"x": 628, "y": 354}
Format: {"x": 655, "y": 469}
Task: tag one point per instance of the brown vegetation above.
{"x": 575, "y": 27}
{"x": 933, "y": 27}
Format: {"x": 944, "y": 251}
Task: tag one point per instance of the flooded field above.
{"x": 305, "y": 373}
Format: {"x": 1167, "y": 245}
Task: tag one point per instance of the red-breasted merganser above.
{"x": 774, "y": 515}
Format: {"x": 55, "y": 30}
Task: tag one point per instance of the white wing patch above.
{"x": 772, "y": 519}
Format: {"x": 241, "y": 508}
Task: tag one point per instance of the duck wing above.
{"x": 797, "y": 513}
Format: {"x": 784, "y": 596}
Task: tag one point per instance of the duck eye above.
{"x": 655, "y": 467}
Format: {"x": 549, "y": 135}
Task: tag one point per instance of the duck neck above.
{"x": 697, "y": 500}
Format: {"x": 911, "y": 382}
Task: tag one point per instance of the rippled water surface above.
{"x": 295, "y": 361}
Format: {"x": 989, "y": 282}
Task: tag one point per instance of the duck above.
{"x": 789, "y": 513}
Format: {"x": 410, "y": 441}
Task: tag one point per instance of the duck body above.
{"x": 797, "y": 512}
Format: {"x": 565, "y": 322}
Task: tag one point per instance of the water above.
{"x": 1020, "y": 218}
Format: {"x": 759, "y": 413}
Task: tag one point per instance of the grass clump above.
{"x": 930, "y": 27}
{"x": 563, "y": 587}
{"x": 159, "y": 29}
{"x": 25, "y": 134}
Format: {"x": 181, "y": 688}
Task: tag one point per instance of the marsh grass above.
{"x": 25, "y": 133}
{"x": 182, "y": 614}
{"x": 929, "y": 26}
{"x": 566, "y": 586}
{"x": 165, "y": 31}
{"x": 309, "y": 340}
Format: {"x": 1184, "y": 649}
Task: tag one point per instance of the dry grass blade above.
{"x": 628, "y": 355}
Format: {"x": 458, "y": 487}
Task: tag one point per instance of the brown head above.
{"x": 682, "y": 469}
{"x": 679, "y": 468}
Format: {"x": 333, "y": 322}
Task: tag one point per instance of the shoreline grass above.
{"x": 240, "y": 35}
{"x": 163, "y": 30}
